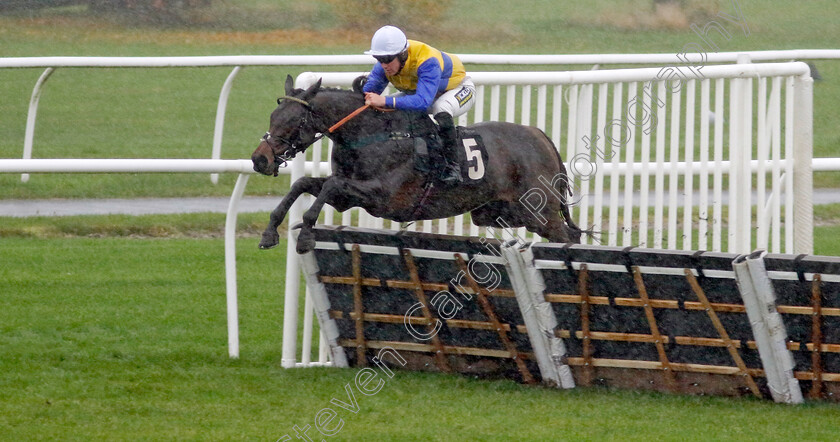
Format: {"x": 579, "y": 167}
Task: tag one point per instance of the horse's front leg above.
{"x": 356, "y": 193}
{"x": 312, "y": 186}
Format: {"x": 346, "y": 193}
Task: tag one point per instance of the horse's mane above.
{"x": 339, "y": 93}
{"x": 331, "y": 90}
{"x": 337, "y": 89}
{"x": 356, "y": 88}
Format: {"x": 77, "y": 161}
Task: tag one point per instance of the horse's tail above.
{"x": 564, "y": 206}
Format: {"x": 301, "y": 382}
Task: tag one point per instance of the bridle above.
{"x": 294, "y": 146}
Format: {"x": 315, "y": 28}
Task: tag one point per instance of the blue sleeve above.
{"x": 376, "y": 82}
{"x": 428, "y": 79}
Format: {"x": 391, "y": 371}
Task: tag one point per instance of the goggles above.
{"x": 385, "y": 59}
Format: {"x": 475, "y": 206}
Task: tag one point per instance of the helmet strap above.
{"x": 403, "y": 57}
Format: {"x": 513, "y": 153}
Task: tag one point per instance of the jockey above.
{"x": 428, "y": 80}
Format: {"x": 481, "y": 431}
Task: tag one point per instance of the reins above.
{"x": 335, "y": 126}
{"x": 294, "y": 149}
{"x": 348, "y": 118}
{"x": 427, "y": 190}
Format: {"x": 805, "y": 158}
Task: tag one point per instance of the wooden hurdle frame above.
{"x": 566, "y": 315}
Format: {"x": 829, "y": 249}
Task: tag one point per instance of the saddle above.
{"x": 428, "y": 145}
{"x": 421, "y": 129}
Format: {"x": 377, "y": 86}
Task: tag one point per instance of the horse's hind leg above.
{"x": 312, "y": 186}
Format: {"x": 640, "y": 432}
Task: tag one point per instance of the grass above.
{"x": 114, "y": 327}
{"x": 120, "y": 334}
{"x": 82, "y": 331}
{"x": 209, "y": 225}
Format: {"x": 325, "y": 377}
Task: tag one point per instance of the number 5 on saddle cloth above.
{"x": 472, "y": 156}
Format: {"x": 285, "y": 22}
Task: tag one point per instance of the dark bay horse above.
{"x": 503, "y": 187}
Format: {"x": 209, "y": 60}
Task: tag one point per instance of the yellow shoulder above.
{"x": 421, "y": 52}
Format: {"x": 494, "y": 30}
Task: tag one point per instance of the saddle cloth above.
{"x": 470, "y": 151}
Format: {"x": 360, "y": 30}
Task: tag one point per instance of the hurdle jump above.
{"x": 567, "y": 315}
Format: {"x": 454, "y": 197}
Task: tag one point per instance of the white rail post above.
{"x": 221, "y": 109}
{"x": 31, "y": 117}
{"x": 762, "y": 150}
{"x": 745, "y": 225}
{"x": 306, "y": 345}
{"x": 803, "y": 130}
{"x": 292, "y": 280}
{"x": 736, "y": 177}
{"x": 230, "y": 265}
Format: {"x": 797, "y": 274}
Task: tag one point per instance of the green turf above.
{"x": 202, "y": 225}
{"x": 112, "y": 334}
{"x": 113, "y": 328}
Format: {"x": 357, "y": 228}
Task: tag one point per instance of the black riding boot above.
{"x": 451, "y": 173}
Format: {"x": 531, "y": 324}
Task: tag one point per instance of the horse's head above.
{"x": 291, "y": 129}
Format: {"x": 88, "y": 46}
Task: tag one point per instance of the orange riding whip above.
{"x": 353, "y": 114}
{"x": 348, "y": 118}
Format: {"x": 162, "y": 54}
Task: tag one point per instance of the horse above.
{"x": 508, "y": 167}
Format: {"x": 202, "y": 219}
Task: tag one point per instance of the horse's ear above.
{"x": 359, "y": 83}
{"x": 312, "y": 90}
{"x": 290, "y": 85}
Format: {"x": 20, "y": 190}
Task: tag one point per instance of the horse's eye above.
{"x": 266, "y": 137}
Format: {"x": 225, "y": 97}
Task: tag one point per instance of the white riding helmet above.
{"x": 388, "y": 40}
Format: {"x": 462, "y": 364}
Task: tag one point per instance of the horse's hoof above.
{"x": 305, "y": 242}
{"x": 306, "y": 246}
{"x": 269, "y": 240}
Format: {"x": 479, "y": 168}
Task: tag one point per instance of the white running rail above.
{"x": 50, "y": 64}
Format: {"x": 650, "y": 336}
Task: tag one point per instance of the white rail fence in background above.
{"x": 662, "y": 140}
{"x": 239, "y": 61}
{"x": 745, "y": 119}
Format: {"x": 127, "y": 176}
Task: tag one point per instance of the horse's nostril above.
{"x": 260, "y": 163}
